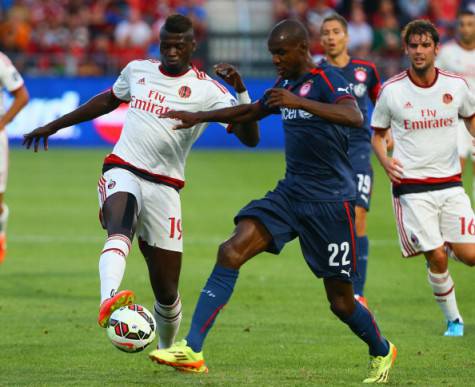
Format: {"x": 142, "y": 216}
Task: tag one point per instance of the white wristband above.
{"x": 243, "y": 97}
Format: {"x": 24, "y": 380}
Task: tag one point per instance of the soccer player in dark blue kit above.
{"x": 364, "y": 82}
{"x": 314, "y": 201}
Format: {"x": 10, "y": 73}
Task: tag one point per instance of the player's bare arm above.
{"x": 20, "y": 99}
{"x": 248, "y": 132}
{"x": 232, "y": 115}
{"x": 344, "y": 112}
{"x": 392, "y": 166}
{"x": 97, "y": 106}
{"x": 470, "y": 124}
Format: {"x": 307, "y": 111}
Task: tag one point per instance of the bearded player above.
{"x": 433, "y": 213}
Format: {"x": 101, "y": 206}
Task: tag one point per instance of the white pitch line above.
{"x": 192, "y": 240}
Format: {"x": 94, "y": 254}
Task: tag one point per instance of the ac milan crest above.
{"x": 111, "y": 184}
{"x": 360, "y": 74}
{"x": 304, "y": 90}
{"x": 447, "y": 98}
{"x": 184, "y": 92}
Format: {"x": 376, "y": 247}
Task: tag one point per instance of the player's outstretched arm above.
{"x": 344, "y": 112}
{"x": 97, "y": 106}
{"x": 246, "y": 132}
{"x": 232, "y": 115}
{"x": 392, "y": 166}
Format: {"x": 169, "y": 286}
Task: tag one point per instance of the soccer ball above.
{"x": 131, "y": 328}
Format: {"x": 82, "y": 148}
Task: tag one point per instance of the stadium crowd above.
{"x": 97, "y": 37}
{"x": 87, "y": 37}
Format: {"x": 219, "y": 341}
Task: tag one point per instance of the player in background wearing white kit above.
{"x": 458, "y": 56}
{"x": 139, "y": 188}
{"x": 422, "y": 107}
{"x": 11, "y": 80}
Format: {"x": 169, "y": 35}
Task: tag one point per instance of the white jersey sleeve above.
{"x": 381, "y": 118}
{"x": 9, "y": 76}
{"x": 467, "y": 105}
{"x": 218, "y": 98}
{"x": 121, "y": 87}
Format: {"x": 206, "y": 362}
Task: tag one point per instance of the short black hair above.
{"x": 336, "y": 17}
{"x": 465, "y": 12}
{"x": 420, "y": 27}
{"x": 292, "y": 30}
{"x": 177, "y": 24}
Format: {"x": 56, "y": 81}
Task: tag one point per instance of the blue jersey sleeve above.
{"x": 332, "y": 85}
{"x": 263, "y": 100}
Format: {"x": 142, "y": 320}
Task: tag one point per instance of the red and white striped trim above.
{"x": 432, "y": 180}
{"x": 114, "y": 249}
{"x": 120, "y": 237}
{"x": 101, "y": 186}
{"x": 445, "y": 293}
{"x": 452, "y": 75}
{"x": 408, "y": 250}
{"x": 392, "y": 80}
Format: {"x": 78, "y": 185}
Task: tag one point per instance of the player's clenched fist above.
{"x": 230, "y": 75}
{"x": 36, "y": 135}
{"x": 281, "y": 97}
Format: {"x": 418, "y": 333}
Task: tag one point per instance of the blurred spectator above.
{"x": 413, "y": 9}
{"x": 16, "y": 30}
{"x": 96, "y": 37}
{"x": 133, "y": 32}
{"x": 360, "y": 33}
{"x": 443, "y": 13}
{"x": 197, "y": 14}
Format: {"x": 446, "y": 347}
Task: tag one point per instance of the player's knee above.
{"x": 340, "y": 308}
{"x": 167, "y": 295}
{"x": 438, "y": 261}
{"x": 229, "y": 256}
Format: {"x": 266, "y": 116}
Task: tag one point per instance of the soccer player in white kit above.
{"x": 142, "y": 177}
{"x": 11, "y": 80}
{"x": 458, "y": 56}
{"x": 433, "y": 213}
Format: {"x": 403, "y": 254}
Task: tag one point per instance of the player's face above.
{"x": 466, "y": 28}
{"x": 421, "y": 51}
{"x": 176, "y": 51}
{"x": 287, "y": 57}
{"x": 334, "y": 38}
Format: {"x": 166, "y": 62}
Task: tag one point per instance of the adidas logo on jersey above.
{"x": 408, "y": 105}
{"x": 141, "y": 81}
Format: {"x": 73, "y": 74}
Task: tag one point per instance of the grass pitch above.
{"x": 277, "y": 329}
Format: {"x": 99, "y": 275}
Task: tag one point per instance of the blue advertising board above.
{"x": 50, "y": 98}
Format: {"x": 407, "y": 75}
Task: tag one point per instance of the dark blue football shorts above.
{"x": 325, "y": 230}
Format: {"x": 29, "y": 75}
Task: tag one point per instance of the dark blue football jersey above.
{"x": 316, "y": 150}
{"x": 365, "y": 83}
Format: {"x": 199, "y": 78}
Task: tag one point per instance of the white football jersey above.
{"x": 454, "y": 58}
{"x": 424, "y": 122}
{"x": 10, "y": 78}
{"x": 148, "y": 143}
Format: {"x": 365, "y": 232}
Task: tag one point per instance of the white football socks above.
{"x": 168, "y": 318}
{"x": 112, "y": 264}
{"x": 444, "y": 293}
{"x": 4, "y": 218}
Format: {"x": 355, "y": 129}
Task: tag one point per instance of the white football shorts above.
{"x": 465, "y": 145}
{"x": 426, "y": 220}
{"x": 3, "y": 160}
{"x": 159, "y": 207}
